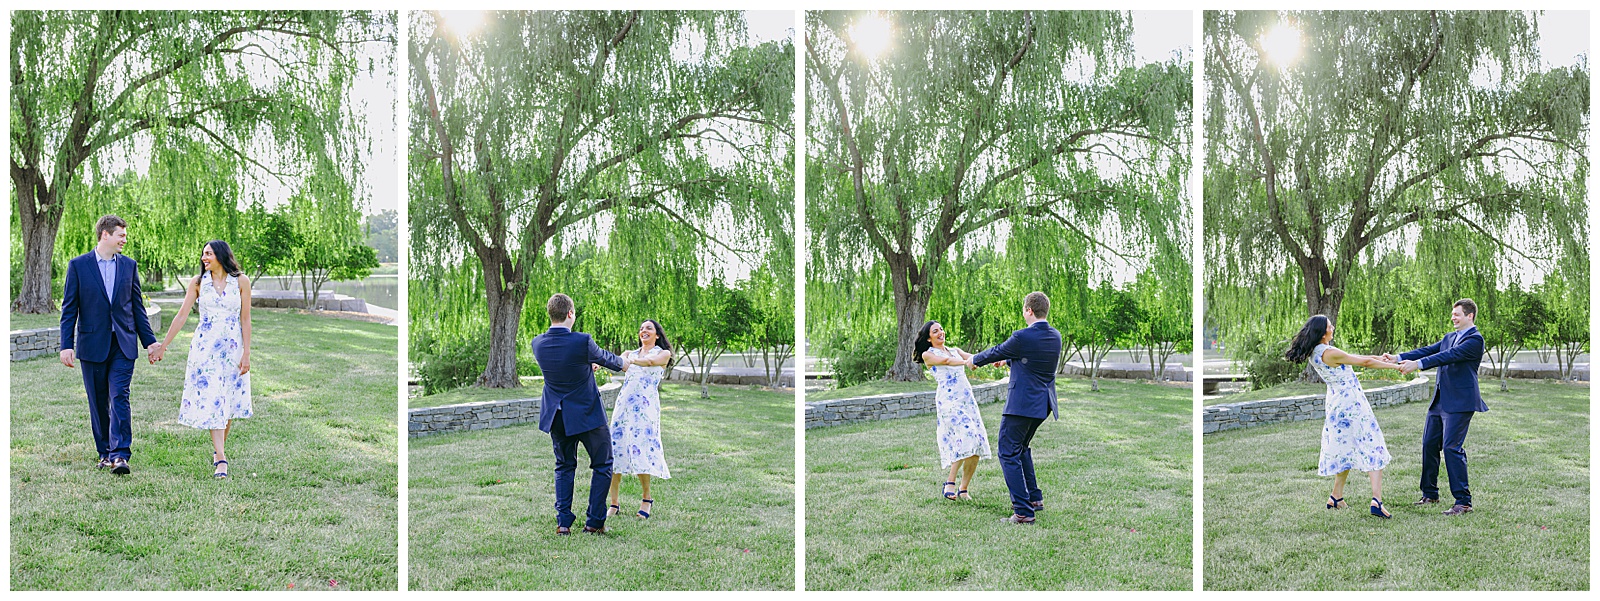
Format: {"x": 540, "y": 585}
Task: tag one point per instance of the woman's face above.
{"x": 647, "y": 334}
{"x": 208, "y": 257}
{"x": 1326, "y": 336}
{"x": 936, "y": 334}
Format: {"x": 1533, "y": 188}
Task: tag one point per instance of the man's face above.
{"x": 117, "y": 238}
{"x": 1458, "y": 318}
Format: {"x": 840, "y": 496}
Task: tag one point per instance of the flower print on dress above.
{"x": 214, "y": 391}
{"x": 636, "y": 422}
{"x": 1351, "y": 438}
{"x": 959, "y": 431}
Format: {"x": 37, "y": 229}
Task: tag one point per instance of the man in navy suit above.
{"x": 103, "y": 324}
{"x": 1031, "y": 395}
{"x": 1455, "y": 399}
{"x": 571, "y": 412}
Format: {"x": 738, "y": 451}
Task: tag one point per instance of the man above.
{"x": 1455, "y": 399}
{"x": 103, "y": 324}
{"x": 1031, "y": 395}
{"x": 572, "y": 414}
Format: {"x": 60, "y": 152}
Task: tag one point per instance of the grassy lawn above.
{"x": 313, "y": 496}
{"x": 1116, "y": 471}
{"x": 21, "y": 321}
{"x": 481, "y": 515}
{"x": 1528, "y": 458}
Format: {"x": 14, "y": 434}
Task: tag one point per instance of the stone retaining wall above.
{"x": 483, "y": 415}
{"x": 290, "y": 299}
{"x": 1229, "y": 416}
{"x": 1174, "y": 372}
{"x": 27, "y": 344}
{"x": 838, "y": 412}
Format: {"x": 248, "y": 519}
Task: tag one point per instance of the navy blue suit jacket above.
{"x": 564, "y": 356}
{"x": 1033, "y": 352}
{"x": 1457, "y": 356}
{"x": 89, "y": 319}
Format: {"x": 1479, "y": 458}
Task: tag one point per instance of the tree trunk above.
{"x": 38, "y": 250}
{"x": 505, "y": 317}
{"x": 911, "y": 296}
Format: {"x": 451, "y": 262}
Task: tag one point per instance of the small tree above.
{"x": 1521, "y": 316}
{"x": 722, "y": 320}
{"x": 1113, "y": 315}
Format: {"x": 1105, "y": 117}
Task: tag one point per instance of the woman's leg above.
{"x": 1338, "y": 484}
{"x": 968, "y": 467}
{"x": 218, "y": 441}
{"x": 955, "y": 470}
{"x": 616, "y": 488}
{"x": 644, "y": 485}
{"x": 1376, "y": 478}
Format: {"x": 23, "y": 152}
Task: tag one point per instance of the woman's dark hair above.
{"x": 1309, "y": 337}
{"x": 661, "y": 335}
{"x": 224, "y": 258}
{"x": 923, "y": 343}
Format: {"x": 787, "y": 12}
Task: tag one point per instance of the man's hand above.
{"x": 1000, "y": 364}
{"x": 1407, "y": 367}
{"x": 595, "y": 367}
{"x": 68, "y": 356}
{"x": 154, "y": 352}
{"x": 1389, "y": 358}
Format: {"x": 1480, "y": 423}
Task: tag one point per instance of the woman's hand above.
{"x": 244, "y": 364}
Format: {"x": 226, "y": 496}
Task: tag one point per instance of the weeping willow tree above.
{"x": 1390, "y": 123}
{"x": 539, "y": 123}
{"x": 92, "y": 89}
{"x": 968, "y": 121}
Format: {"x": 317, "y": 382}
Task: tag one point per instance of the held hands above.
{"x": 68, "y": 356}
{"x": 1406, "y": 367}
{"x": 155, "y": 352}
{"x": 1389, "y": 358}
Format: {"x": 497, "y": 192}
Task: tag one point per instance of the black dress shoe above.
{"x": 1017, "y": 519}
{"x": 1458, "y": 510}
{"x": 1426, "y": 500}
{"x": 563, "y": 531}
{"x": 596, "y": 531}
{"x": 105, "y": 463}
{"x": 120, "y": 466}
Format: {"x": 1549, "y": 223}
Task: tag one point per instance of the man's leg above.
{"x": 1034, "y": 494}
{"x": 121, "y": 383}
{"x": 597, "y": 443}
{"x": 566, "y": 449}
{"x": 1015, "y": 433}
{"x": 1432, "y": 442}
{"x": 96, "y": 384}
{"x": 1455, "y": 458}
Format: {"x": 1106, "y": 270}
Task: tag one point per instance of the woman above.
{"x": 217, "y": 388}
{"x": 636, "y": 419}
{"x": 962, "y": 439}
{"x": 1351, "y": 438}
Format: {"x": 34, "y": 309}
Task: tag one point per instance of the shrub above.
{"x": 1262, "y": 357}
{"x": 863, "y": 357}
{"x": 454, "y": 365}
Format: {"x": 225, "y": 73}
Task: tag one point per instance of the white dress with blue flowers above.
{"x": 961, "y": 434}
{"x": 214, "y": 392}
{"x": 1351, "y": 439}
{"x": 636, "y": 422}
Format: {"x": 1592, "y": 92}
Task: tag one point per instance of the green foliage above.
{"x": 454, "y": 366}
{"x": 204, "y": 99}
{"x": 862, "y": 358}
{"x": 383, "y": 235}
{"x": 1321, "y": 171}
{"x": 1262, "y": 357}
{"x": 529, "y": 133}
{"x": 964, "y": 164}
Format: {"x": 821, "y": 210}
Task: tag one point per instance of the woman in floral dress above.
{"x": 636, "y": 418}
{"x": 216, "y": 390}
{"x": 1351, "y": 438}
{"x": 962, "y": 439}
